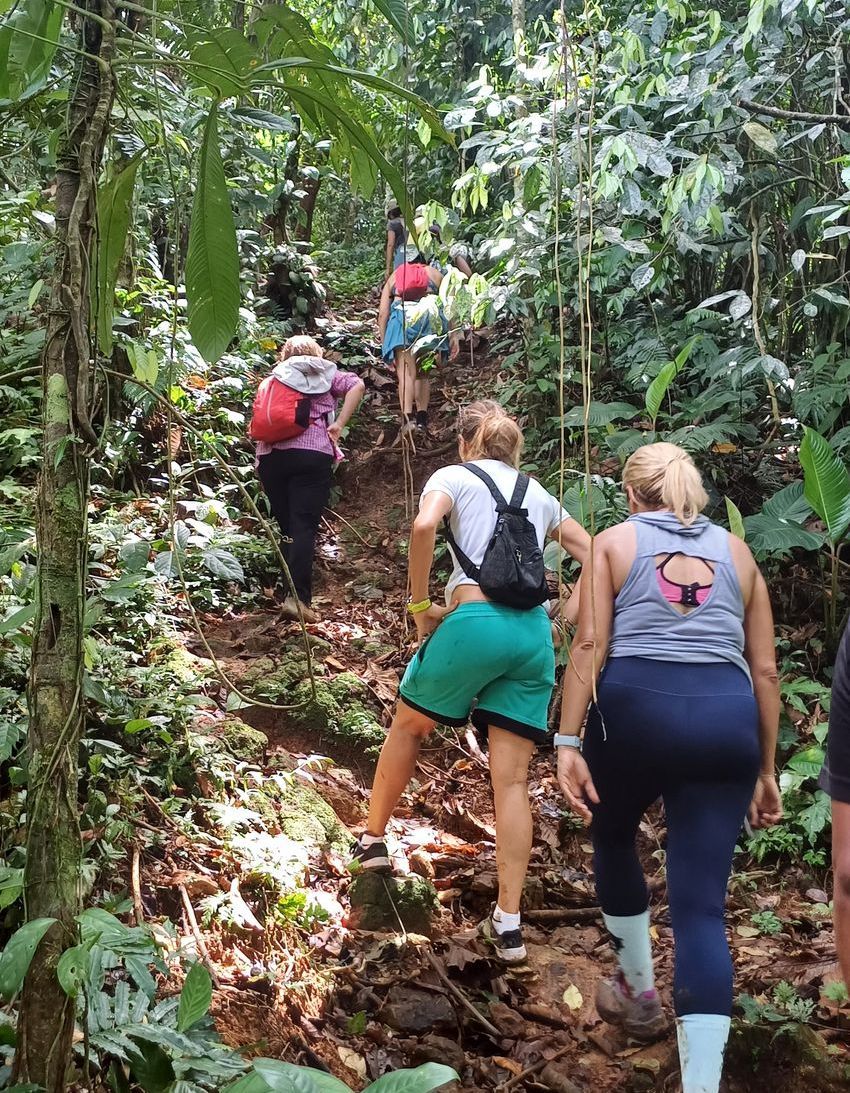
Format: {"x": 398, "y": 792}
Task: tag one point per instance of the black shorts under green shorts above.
{"x": 494, "y": 658}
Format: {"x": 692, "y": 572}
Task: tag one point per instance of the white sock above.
{"x": 634, "y": 951}
{"x": 370, "y": 840}
{"x": 504, "y": 922}
{"x": 702, "y": 1041}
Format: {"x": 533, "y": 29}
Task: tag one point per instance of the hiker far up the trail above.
{"x": 686, "y": 709}
{"x": 297, "y": 435}
{"x": 491, "y": 644}
{"x": 410, "y": 312}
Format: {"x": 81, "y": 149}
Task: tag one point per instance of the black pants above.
{"x": 298, "y": 484}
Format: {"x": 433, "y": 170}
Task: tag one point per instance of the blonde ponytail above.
{"x": 489, "y": 433}
{"x": 663, "y": 476}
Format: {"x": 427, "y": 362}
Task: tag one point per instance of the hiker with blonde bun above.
{"x": 296, "y": 454}
{"x": 489, "y": 647}
{"x": 674, "y": 657}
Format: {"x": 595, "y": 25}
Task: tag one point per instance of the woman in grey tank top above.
{"x": 675, "y": 657}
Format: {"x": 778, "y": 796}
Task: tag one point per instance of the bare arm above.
{"x": 575, "y": 540}
{"x": 350, "y": 403}
{"x": 461, "y": 263}
{"x": 384, "y": 307}
{"x": 587, "y": 656}
{"x": 390, "y": 251}
{"x": 435, "y": 506}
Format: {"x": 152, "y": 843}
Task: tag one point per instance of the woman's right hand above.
{"x": 428, "y": 621}
{"x": 766, "y": 807}
{"x": 575, "y": 780}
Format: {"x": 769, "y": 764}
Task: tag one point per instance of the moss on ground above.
{"x": 336, "y": 708}
{"x": 380, "y": 902}
{"x": 241, "y": 740}
{"x": 299, "y": 812}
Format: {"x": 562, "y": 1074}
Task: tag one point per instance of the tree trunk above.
{"x": 54, "y": 847}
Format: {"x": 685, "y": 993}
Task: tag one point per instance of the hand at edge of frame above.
{"x": 575, "y": 781}
{"x": 766, "y": 806}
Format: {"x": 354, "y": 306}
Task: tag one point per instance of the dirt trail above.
{"x": 360, "y": 1002}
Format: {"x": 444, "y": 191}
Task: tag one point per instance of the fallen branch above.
{"x": 563, "y": 914}
{"x": 518, "y": 1079}
{"x": 196, "y": 933}
{"x": 795, "y": 115}
{"x": 461, "y": 997}
{"x": 136, "y": 886}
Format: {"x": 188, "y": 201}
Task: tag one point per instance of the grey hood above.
{"x": 310, "y": 375}
{"x": 670, "y": 522}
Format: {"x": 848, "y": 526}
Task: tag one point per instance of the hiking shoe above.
{"x": 641, "y": 1016}
{"x": 374, "y": 857}
{"x": 508, "y": 947}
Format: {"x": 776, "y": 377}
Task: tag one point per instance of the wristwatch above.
{"x": 567, "y": 741}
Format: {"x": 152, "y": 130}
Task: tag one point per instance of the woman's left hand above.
{"x": 454, "y": 346}
{"x": 428, "y": 621}
{"x": 335, "y": 433}
{"x": 766, "y": 807}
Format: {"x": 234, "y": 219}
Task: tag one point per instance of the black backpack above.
{"x": 512, "y": 570}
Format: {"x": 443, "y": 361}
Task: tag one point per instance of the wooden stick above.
{"x": 563, "y": 914}
{"x": 461, "y": 997}
{"x": 196, "y": 933}
{"x": 541, "y": 1065}
{"x": 136, "y": 886}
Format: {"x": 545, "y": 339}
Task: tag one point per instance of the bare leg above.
{"x": 841, "y": 896}
{"x": 406, "y": 371}
{"x": 396, "y": 765}
{"x": 422, "y": 391}
{"x": 509, "y": 758}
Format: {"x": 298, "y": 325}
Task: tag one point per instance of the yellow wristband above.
{"x": 415, "y": 608}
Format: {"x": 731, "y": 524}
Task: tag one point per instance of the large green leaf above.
{"x": 28, "y": 41}
{"x": 397, "y": 14}
{"x": 17, "y": 956}
{"x": 114, "y": 201}
{"x": 356, "y": 133}
{"x": 288, "y": 1078}
{"x": 223, "y": 60}
{"x": 195, "y": 998}
{"x": 658, "y": 389}
{"x": 367, "y": 79}
{"x": 421, "y": 1080}
{"x": 212, "y": 264}
{"x": 599, "y": 414}
{"x": 826, "y": 483}
{"x": 736, "y": 521}
{"x": 768, "y": 535}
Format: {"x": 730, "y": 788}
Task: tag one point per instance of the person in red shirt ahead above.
{"x": 296, "y": 474}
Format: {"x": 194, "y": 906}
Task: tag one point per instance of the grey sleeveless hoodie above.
{"x": 647, "y": 625}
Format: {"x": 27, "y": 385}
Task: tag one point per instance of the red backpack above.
{"x": 412, "y": 281}
{"x": 279, "y": 413}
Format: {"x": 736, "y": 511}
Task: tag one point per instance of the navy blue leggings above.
{"x": 687, "y": 733}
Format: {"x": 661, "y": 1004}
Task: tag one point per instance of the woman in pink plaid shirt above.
{"x": 296, "y": 474}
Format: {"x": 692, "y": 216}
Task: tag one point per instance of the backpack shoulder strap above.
{"x": 520, "y": 490}
{"x": 466, "y": 564}
{"x": 495, "y": 492}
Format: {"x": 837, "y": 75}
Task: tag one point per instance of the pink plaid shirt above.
{"x": 315, "y": 437}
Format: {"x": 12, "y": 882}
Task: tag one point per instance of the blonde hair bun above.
{"x": 300, "y": 346}
{"x": 663, "y": 476}
{"x": 488, "y": 432}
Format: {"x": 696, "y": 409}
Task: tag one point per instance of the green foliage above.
{"x": 272, "y": 1076}
{"x": 826, "y": 483}
{"x": 114, "y": 202}
{"x": 195, "y": 998}
{"x": 212, "y": 263}
{"x": 18, "y": 953}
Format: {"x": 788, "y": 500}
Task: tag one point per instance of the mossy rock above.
{"x": 299, "y": 812}
{"x": 379, "y": 901}
{"x": 241, "y": 740}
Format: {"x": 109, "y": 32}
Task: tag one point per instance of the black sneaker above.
{"x": 375, "y": 857}
{"x": 508, "y": 947}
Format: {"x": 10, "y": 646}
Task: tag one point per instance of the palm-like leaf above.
{"x": 826, "y": 484}
{"x": 212, "y": 264}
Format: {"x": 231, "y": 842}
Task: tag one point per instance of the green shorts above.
{"x": 496, "y": 659}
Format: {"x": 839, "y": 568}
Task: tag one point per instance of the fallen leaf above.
{"x": 573, "y": 998}
{"x": 746, "y": 931}
{"x": 353, "y": 1061}
{"x": 653, "y": 932}
{"x": 650, "y": 1064}
{"x": 507, "y": 1064}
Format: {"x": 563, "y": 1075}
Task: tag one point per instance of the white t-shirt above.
{"x": 473, "y": 515}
